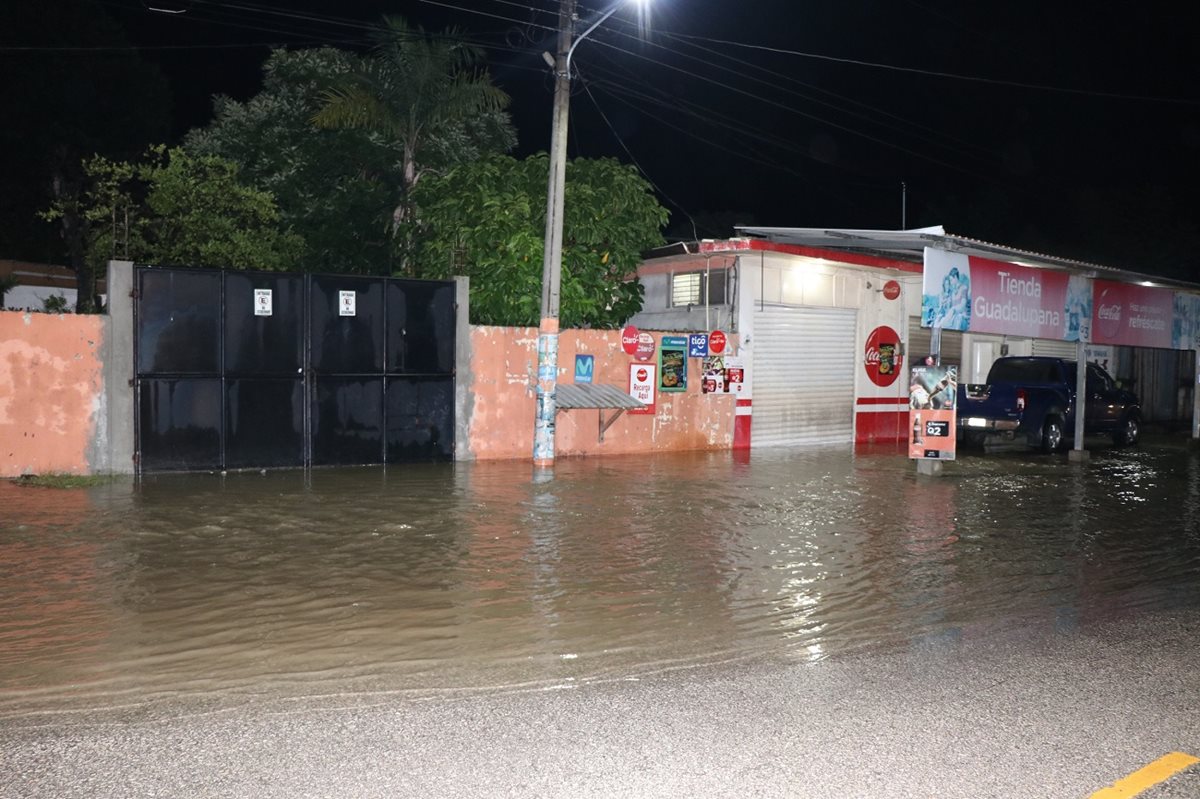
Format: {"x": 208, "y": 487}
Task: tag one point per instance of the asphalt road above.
{"x": 1028, "y": 714}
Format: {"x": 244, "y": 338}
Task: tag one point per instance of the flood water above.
{"x": 443, "y": 579}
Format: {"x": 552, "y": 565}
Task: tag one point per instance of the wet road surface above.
{"x": 809, "y": 623}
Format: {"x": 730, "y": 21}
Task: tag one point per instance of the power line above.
{"x": 632, "y": 158}
{"x": 939, "y": 74}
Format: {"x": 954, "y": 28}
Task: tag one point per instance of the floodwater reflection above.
{"x": 448, "y": 578}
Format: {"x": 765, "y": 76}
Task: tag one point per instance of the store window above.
{"x": 698, "y": 288}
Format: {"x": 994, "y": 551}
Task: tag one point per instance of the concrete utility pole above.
{"x": 547, "y": 350}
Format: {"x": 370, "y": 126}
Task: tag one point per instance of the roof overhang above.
{"x": 910, "y": 245}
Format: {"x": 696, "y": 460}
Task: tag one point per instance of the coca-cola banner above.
{"x": 961, "y": 292}
{"x": 1135, "y": 316}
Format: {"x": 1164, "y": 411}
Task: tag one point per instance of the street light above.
{"x": 547, "y": 348}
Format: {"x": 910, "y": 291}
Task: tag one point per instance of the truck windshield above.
{"x": 1024, "y": 370}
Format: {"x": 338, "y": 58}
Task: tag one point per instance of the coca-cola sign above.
{"x": 891, "y": 290}
{"x": 1138, "y": 316}
{"x": 882, "y": 358}
{"x": 716, "y": 342}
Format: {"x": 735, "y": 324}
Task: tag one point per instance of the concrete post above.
{"x": 1196, "y": 401}
{"x": 1078, "y": 453}
{"x": 547, "y": 349}
{"x": 463, "y": 398}
{"x": 113, "y": 449}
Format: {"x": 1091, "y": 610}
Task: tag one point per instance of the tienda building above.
{"x": 829, "y": 320}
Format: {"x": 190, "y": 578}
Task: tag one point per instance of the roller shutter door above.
{"x": 1054, "y": 348}
{"x": 804, "y": 362}
{"x": 919, "y": 338}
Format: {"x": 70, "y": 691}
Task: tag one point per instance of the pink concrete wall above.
{"x": 502, "y": 396}
{"x": 51, "y": 391}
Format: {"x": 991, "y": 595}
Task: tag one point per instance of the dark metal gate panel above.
{"x": 346, "y": 342}
{"x": 330, "y": 370}
{"x": 420, "y": 366}
{"x": 264, "y": 371}
{"x": 179, "y": 369}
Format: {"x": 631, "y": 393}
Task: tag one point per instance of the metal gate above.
{"x": 804, "y": 362}
{"x": 241, "y": 370}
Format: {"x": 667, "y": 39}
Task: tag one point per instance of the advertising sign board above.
{"x": 644, "y": 348}
{"x": 629, "y": 339}
{"x": 641, "y": 386}
{"x": 961, "y": 292}
{"x": 716, "y": 342}
{"x": 697, "y": 345}
{"x": 932, "y": 412}
{"x": 585, "y": 367}
{"x": 1135, "y": 316}
{"x": 672, "y": 363}
{"x": 735, "y": 374}
{"x": 713, "y": 375}
{"x": 882, "y": 358}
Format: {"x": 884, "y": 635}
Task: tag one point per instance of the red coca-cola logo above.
{"x": 1108, "y": 314}
{"x": 882, "y": 357}
{"x": 716, "y": 342}
{"x": 629, "y": 339}
{"x": 891, "y": 290}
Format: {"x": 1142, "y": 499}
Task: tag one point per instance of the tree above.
{"x": 175, "y": 208}
{"x": 486, "y": 219}
{"x": 72, "y": 87}
{"x": 334, "y": 187}
{"x": 426, "y": 94}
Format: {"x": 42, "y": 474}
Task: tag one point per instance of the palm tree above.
{"x": 425, "y": 92}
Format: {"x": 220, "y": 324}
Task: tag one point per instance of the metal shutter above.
{"x": 1054, "y": 348}
{"x": 919, "y": 338}
{"x": 804, "y": 362}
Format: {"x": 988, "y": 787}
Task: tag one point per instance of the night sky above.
{"x": 1021, "y": 123}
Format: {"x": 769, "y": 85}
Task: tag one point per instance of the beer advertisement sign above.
{"x": 932, "y": 412}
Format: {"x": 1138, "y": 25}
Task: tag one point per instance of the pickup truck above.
{"x": 1034, "y": 398}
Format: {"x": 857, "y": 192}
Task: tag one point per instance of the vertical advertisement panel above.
{"x": 1185, "y": 329}
{"x": 932, "y": 412}
{"x": 672, "y": 363}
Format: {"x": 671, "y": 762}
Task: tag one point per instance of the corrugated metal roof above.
{"x": 573, "y": 396}
{"x": 911, "y": 243}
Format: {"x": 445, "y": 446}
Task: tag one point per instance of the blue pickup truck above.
{"x": 1033, "y": 398}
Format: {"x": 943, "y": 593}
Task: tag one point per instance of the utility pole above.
{"x": 547, "y": 350}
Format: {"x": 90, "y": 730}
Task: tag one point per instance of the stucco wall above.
{"x": 51, "y": 391}
{"x": 503, "y": 384}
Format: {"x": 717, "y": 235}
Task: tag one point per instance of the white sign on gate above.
{"x": 262, "y": 302}
{"x": 346, "y": 303}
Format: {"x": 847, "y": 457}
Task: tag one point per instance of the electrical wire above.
{"x": 949, "y": 75}
{"x": 645, "y": 174}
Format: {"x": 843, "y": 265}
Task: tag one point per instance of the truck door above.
{"x": 1103, "y": 411}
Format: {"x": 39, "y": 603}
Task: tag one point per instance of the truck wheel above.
{"x": 1052, "y": 434}
{"x": 1126, "y": 434}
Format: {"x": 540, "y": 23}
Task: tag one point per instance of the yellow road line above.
{"x": 1166, "y": 766}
